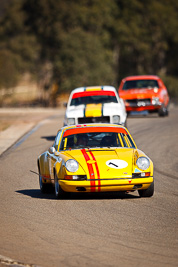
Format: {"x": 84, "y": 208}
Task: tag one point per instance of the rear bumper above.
{"x": 103, "y": 185}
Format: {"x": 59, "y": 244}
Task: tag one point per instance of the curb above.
{"x": 10, "y": 136}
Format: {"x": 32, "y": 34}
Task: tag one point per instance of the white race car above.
{"x": 97, "y": 104}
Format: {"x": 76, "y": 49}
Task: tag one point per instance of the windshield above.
{"x": 93, "y": 97}
{"x": 96, "y": 138}
{"x": 139, "y": 84}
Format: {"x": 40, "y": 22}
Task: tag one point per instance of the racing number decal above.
{"x": 90, "y": 165}
{"x": 116, "y": 163}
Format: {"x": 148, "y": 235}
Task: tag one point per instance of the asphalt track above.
{"x": 90, "y": 230}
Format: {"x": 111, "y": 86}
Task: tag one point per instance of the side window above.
{"x": 57, "y": 139}
{"x": 124, "y": 140}
{"x": 131, "y": 142}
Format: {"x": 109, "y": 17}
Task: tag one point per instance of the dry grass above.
{"x": 4, "y": 125}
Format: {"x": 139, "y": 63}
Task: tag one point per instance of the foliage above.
{"x": 8, "y": 71}
{"x": 75, "y": 43}
{"x": 81, "y": 68}
{"x": 19, "y": 49}
{"x": 172, "y": 86}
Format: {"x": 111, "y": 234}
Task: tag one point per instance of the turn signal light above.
{"x": 75, "y": 177}
{"x": 141, "y": 174}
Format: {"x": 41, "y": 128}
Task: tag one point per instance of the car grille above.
{"x": 139, "y": 102}
{"x": 104, "y": 119}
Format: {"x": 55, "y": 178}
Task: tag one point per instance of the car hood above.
{"x": 139, "y": 93}
{"x": 112, "y": 109}
{"x": 94, "y": 110}
{"x": 104, "y": 163}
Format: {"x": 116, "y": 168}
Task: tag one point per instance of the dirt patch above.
{"x": 13, "y": 116}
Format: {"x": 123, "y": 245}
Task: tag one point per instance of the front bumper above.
{"x": 102, "y": 119}
{"x": 106, "y": 185}
{"x": 142, "y": 105}
{"x": 143, "y": 108}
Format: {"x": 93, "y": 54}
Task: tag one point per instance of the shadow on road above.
{"x": 142, "y": 116}
{"x": 36, "y": 193}
{"x": 49, "y": 138}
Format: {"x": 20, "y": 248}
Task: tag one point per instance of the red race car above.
{"x": 144, "y": 93}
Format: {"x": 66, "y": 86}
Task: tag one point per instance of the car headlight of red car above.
{"x": 143, "y": 163}
{"x": 72, "y": 165}
{"x": 155, "y": 101}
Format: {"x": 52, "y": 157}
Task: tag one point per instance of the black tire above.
{"x": 58, "y": 190}
{"x": 163, "y": 111}
{"x": 147, "y": 192}
{"x": 44, "y": 187}
{"x": 167, "y": 112}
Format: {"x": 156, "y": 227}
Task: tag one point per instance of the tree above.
{"x": 144, "y": 32}
{"x": 19, "y": 50}
{"x": 71, "y": 43}
{"x": 74, "y": 37}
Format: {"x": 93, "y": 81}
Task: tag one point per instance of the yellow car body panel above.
{"x": 106, "y": 169}
{"x": 43, "y": 167}
{"x": 101, "y": 157}
{"x": 106, "y": 185}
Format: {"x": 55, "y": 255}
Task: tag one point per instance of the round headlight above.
{"x": 116, "y": 119}
{"x": 155, "y": 101}
{"x": 143, "y": 163}
{"x": 71, "y": 165}
{"x": 70, "y": 121}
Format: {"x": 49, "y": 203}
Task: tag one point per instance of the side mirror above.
{"x": 51, "y": 150}
{"x": 65, "y": 104}
{"x": 57, "y": 153}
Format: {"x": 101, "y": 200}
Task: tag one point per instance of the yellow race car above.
{"x": 95, "y": 158}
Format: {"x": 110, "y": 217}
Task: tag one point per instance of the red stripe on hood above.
{"x": 90, "y": 169}
{"x": 97, "y": 170}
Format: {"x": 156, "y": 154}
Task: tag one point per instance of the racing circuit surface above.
{"x": 90, "y": 230}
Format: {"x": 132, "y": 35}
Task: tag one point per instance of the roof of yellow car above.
{"x": 80, "y": 126}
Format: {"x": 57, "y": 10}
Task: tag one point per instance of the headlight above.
{"x": 70, "y": 121}
{"x": 71, "y": 165}
{"x": 143, "y": 163}
{"x": 116, "y": 119}
{"x": 155, "y": 101}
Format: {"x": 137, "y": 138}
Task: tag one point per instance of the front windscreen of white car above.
{"x": 95, "y": 99}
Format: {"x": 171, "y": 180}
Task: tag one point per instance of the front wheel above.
{"x": 147, "y": 192}
{"x": 163, "y": 111}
